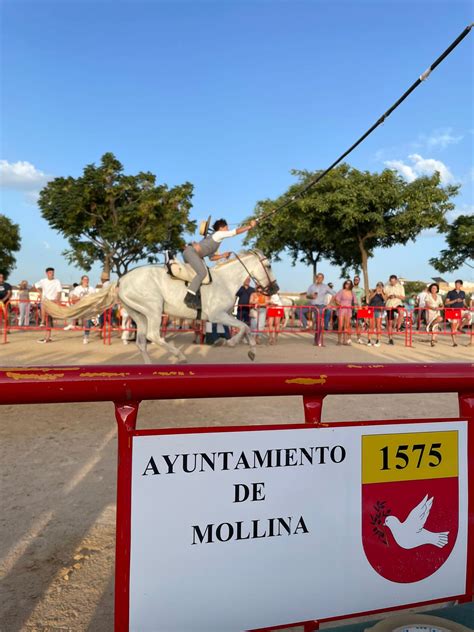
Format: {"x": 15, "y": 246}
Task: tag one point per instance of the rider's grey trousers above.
{"x": 195, "y": 261}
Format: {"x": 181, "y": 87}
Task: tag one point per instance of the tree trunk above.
{"x": 365, "y": 270}
{"x": 107, "y": 264}
{"x": 315, "y": 263}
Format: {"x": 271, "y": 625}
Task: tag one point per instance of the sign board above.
{"x": 242, "y": 528}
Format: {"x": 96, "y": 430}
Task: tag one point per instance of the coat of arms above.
{"x": 410, "y": 502}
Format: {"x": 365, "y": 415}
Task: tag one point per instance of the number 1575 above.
{"x": 404, "y": 455}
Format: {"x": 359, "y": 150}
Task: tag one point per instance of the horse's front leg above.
{"x": 243, "y": 330}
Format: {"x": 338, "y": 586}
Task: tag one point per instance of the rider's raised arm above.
{"x": 244, "y": 229}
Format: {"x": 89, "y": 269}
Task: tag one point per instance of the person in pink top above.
{"x": 344, "y": 300}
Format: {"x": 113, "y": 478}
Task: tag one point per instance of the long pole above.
{"x": 379, "y": 121}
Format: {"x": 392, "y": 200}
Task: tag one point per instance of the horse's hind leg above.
{"x": 141, "y": 341}
{"x": 153, "y": 334}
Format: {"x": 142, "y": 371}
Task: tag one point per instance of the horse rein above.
{"x": 254, "y": 279}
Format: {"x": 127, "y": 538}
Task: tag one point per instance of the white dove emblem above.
{"x": 410, "y": 534}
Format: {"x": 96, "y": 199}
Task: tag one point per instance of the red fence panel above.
{"x": 127, "y": 385}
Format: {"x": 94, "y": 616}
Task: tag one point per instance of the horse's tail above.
{"x": 90, "y": 305}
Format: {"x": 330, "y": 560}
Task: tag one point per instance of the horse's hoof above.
{"x": 220, "y": 342}
{"x": 251, "y": 354}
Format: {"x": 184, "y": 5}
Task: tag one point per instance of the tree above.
{"x": 350, "y": 213}
{"x": 304, "y": 235}
{"x": 460, "y": 239}
{"x": 115, "y": 218}
{"x": 414, "y": 287}
{"x": 9, "y": 243}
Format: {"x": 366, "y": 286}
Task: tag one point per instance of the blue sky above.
{"x": 231, "y": 96}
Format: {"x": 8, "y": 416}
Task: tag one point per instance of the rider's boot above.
{"x": 192, "y": 301}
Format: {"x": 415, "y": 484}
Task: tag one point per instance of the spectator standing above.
{"x": 49, "y": 288}
{"x": 258, "y": 312}
{"x": 275, "y": 313}
{"x": 243, "y": 303}
{"x": 24, "y": 307}
{"x": 327, "y": 302}
{"x": 434, "y": 305}
{"x": 78, "y": 293}
{"x": 377, "y": 301}
{"x": 5, "y": 295}
{"x": 316, "y": 294}
{"x": 359, "y": 299}
{"x": 421, "y": 304}
{"x": 5, "y": 290}
{"x": 395, "y": 294}
{"x": 344, "y": 300}
{"x": 456, "y": 299}
{"x": 471, "y": 307}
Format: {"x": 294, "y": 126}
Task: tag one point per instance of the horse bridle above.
{"x": 271, "y": 285}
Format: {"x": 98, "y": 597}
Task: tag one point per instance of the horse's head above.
{"x": 259, "y": 269}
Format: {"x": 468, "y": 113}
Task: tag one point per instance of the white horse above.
{"x": 149, "y": 291}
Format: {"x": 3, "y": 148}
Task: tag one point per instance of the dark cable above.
{"x": 420, "y": 79}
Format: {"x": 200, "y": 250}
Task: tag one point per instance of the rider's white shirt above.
{"x": 220, "y": 235}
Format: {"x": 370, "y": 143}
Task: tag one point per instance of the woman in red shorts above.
{"x": 274, "y": 314}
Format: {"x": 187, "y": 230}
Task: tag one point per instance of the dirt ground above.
{"x": 58, "y": 463}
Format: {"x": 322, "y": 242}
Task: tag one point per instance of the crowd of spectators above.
{"x": 49, "y": 288}
{"x": 353, "y": 310}
{"x": 347, "y": 311}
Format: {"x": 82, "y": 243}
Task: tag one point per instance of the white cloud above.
{"x": 404, "y": 170}
{"x": 420, "y": 167}
{"x": 46, "y": 245}
{"x": 441, "y": 138}
{"x": 22, "y": 176}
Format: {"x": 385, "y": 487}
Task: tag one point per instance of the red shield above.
{"x": 410, "y": 513}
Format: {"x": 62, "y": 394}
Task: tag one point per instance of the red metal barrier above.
{"x": 126, "y": 386}
{"x": 124, "y": 383}
{"x": 34, "y": 313}
{"x": 453, "y": 322}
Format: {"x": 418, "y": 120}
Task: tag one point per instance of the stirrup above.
{"x": 192, "y": 301}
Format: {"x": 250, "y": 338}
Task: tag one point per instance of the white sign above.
{"x": 246, "y": 529}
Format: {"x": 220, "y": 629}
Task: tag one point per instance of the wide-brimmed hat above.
{"x": 204, "y": 226}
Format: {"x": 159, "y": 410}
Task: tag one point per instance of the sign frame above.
{"x": 126, "y": 415}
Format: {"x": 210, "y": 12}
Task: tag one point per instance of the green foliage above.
{"x": 460, "y": 239}
{"x": 115, "y": 218}
{"x": 349, "y": 214}
{"x": 9, "y": 243}
{"x": 414, "y": 287}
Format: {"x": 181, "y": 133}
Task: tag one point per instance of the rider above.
{"x": 194, "y": 254}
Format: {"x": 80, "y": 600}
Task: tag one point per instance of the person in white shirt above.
{"x": 275, "y": 313}
{"x": 51, "y": 289}
{"x": 79, "y": 292}
{"x": 421, "y": 306}
{"x": 395, "y": 293}
{"x": 434, "y": 306}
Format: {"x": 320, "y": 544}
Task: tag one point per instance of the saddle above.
{"x": 184, "y": 272}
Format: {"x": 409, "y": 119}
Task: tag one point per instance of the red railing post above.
{"x": 4, "y": 321}
{"x": 408, "y": 329}
{"x": 313, "y": 407}
{"x": 126, "y": 416}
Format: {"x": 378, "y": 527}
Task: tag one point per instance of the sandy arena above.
{"x": 58, "y": 472}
